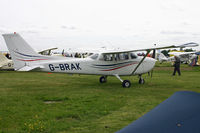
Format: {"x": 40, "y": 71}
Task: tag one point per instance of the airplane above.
{"x": 185, "y": 57}
{"x": 5, "y": 63}
{"x": 108, "y": 63}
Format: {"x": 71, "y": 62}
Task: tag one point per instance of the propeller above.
{"x": 63, "y": 51}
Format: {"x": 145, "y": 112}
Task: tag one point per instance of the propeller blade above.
{"x": 63, "y": 52}
{"x": 154, "y": 54}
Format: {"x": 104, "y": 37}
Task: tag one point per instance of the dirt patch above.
{"x": 50, "y": 102}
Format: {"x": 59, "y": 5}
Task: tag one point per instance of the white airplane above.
{"x": 5, "y": 63}
{"x": 109, "y": 63}
{"x": 184, "y": 56}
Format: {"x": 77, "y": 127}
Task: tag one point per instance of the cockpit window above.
{"x": 133, "y": 56}
{"x": 115, "y": 57}
{"x": 108, "y": 57}
{"x": 123, "y": 56}
{"x": 94, "y": 56}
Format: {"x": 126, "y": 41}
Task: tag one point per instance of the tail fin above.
{"x": 22, "y": 54}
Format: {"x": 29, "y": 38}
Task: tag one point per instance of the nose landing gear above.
{"x": 141, "y": 80}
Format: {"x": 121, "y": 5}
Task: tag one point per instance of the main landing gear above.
{"x": 125, "y": 83}
{"x": 103, "y": 79}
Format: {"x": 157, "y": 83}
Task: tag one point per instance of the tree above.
{"x": 165, "y": 52}
{"x": 188, "y": 50}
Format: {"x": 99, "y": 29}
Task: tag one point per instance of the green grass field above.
{"x": 50, "y": 103}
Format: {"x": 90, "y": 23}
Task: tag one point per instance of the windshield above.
{"x": 94, "y": 56}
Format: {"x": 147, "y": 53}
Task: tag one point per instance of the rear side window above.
{"x": 133, "y": 56}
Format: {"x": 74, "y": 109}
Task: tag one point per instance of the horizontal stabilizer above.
{"x": 29, "y": 68}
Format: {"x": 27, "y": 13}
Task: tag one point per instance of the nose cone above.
{"x": 150, "y": 63}
{"x": 146, "y": 66}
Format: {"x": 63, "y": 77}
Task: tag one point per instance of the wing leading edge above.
{"x": 191, "y": 44}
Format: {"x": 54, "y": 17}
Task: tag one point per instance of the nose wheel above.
{"x": 103, "y": 79}
{"x": 141, "y": 80}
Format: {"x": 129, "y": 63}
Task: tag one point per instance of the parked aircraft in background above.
{"x": 5, "y": 63}
{"x": 108, "y": 63}
{"x": 185, "y": 57}
{"x": 162, "y": 58}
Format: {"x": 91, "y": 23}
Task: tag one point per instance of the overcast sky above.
{"x": 96, "y": 23}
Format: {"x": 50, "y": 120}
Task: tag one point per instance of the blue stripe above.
{"x": 26, "y": 54}
{"x": 104, "y": 67}
{"x": 114, "y": 64}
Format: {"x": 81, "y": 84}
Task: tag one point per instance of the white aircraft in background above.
{"x": 185, "y": 57}
{"x": 5, "y": 63}
{"x": 109, "y": 63}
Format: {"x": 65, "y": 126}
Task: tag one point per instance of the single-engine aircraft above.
{"x": 109, "y": 63}
{"x": 185, "y": 57}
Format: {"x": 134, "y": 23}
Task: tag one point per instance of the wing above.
{"x": 181, "y": 53}
{"x": 191, "y": 44}
{"x": 148, "y": 51}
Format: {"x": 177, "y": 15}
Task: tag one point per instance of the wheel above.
{"x": 126, "y": 83}
{"x": 9, "y": 64}
{"x": 141, "y": 81}
{"x": 102, "y": 79}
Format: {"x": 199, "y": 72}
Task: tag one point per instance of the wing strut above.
{"x": 148, "y": 51}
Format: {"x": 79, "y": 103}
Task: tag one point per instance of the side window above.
{"x": 123, "y": 56}
{"x": 108, "y": 57}
{"x": 133, "y": 56}
{"x": 126, "y": 56}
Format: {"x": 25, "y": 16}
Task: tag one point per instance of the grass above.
{"x": 41, "y": 102}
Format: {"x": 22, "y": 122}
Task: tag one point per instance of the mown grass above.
{"x": 41, "y": 102}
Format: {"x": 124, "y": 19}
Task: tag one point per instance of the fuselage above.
{"x": 97, "y": 66}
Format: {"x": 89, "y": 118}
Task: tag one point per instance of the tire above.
{"x": 102, "y": 79}
{"x": 141, "y": 81}
{"x": 9, "y": 64}
{"x": 126, "y": 84}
